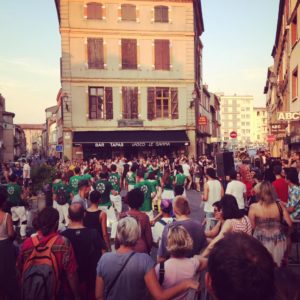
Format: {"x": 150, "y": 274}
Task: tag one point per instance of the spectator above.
{"x": 280, "y": 185}
{"x": 237, "y": 189}
{"x": 178, "y": 267}
{"x": 239, "y": 267}
{"x": 293, "y": 205}
{"x": 135, "y": 199}
{"x": 74, "y": 181}
{"x": 8, "y": 277}
{"x": 83, "y": 193}
{"x": 265, "y": 217}
{"x": 234, "y": 221}
{"x": 287, "y": 284}
{"x": 213, "y": 191}
{"x": 47, "y": 223}
{"x": 96, "y": 218}
{"x": 218, "y": 215}
{"x": 115, "y": 282}
{"x": 88, "y": 248}
{"x": 195, "y": 229}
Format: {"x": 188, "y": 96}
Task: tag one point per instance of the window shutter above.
{"x": 157, "y": 13}
{"x": 91, "y": 53}
{"x": 94, "y": 11}
{"x": 158, "y": 55}
{"x": 93, "y": 107}
{"x": 129, "y": 54}
{"x": 165, "y": 54}
{"x": 165, "y": 14}
{"x": 133, "y": 54}
{"x": 150, "y": 102}
{"x": 174, "y": 103}
{"x": 109, "y": 103}
{"x": 128, "y": 12}
{"x": 99, "y": 62}
{"x": 134, "y": 103}
{"x": 125, "y": 102}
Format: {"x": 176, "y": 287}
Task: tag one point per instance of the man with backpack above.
{"x": 88, "y": 248}
{"x": 46, "y": 263}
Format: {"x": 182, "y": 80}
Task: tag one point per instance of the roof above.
{"x": 51, "y": 109}
{"x": 143, "y": 136}
{"x": 57, "y": 4}
{"x": 279, "y": 23}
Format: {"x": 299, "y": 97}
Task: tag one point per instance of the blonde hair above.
{"x": 179, "y": 242}
{"x": 266, "y": 193}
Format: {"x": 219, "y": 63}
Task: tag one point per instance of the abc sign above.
{"x": 288, "y": 116}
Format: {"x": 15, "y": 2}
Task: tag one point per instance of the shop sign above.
{"x": 137, "y": 144}
{"x": 202, "y": 120}
{"x": 278, "y": 128}
{"x": 271, "y": 138}
{"x": 288, "y": 116}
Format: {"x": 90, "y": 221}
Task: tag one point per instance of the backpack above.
{"x": 40, "y": 277}
{"x": 61, "y": 198}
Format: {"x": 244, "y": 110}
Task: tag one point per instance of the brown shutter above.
{"x": 128, "y": 12}
{"x": 174, "y": 103}
{"x": 165, "y": 46}
{"x": 125, "y": 102}
{"x": 95, "y": 53}
{"x": 158, "y": 55}
{"x": 157, "y": 13}
{"x": 94, "y": 10}
{"x": 129, "y": 54}
{"x": 133, "y": 54}
{"x": 134, "y": 103}
{"x": 109, "y": 103}
{"x": 165, "y": 14}
{"x": 91, "y": 53}
{"x": 150, "y": 101}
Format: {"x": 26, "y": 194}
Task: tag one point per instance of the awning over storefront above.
{"x": 145, "y": 138}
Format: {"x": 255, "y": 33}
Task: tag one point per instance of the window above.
{"x": 162, "y": 54}
{"x": 295, "y": 84}
{"x": 161, "y": 14}
{"x": 94, "y": 11}
{"x": 247, "y": 108}
{"x": 162, "y": 103}
{"x": 294, "y": 32}
{"x": 243, "y": 123}
{"x": 95, "y": 53}
{"x": 129, "y": 54}
{"x": 128, "y": 12}
{"x": 130, "y": 102}
{"x": 100, "y": 103}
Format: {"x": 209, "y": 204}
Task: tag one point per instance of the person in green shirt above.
{"x": 131, "y": 178}
{"x": 74, "y": 180}
{"x": 104, "y": 187}
{"x": 87, "y": 175}
{"x": 180, "y": 178}
{"x": 14, "y": 199}
{"x": 146, "y": 187}
{"x": 114, "y": 178}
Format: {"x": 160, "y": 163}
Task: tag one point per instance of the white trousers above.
{"x": 63, "y": 214}
{"x": 18, "y": 214}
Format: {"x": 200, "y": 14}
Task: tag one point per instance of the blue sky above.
{"x": 238, "y": 39}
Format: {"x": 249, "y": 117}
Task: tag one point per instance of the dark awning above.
{"x": 131, "y": 137}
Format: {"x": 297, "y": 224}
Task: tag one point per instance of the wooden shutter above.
{"x": 95, "y": 53}
{"x": 162, "y": 54}
{"x": 94, "y": 10}
{"x": 125, "y": 102}
{"x": 128, "y": 12}
{"x": 174, "y": 103}
{"x": 161, "y": 14}
{"x": 129, "y": 54}
{"x": 165, "y": 14}
{"x": 150, "y": 102}
{"x": 157, "y": 14}
{"x": 134, "y": 103}
{"x": 109, "y": 103}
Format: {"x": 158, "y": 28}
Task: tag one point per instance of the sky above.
{"x": 238, "y": 40}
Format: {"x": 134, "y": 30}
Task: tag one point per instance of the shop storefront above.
{"x": 108, "y": 144}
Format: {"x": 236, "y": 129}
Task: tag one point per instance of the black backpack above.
{"x": 61, "y": 197}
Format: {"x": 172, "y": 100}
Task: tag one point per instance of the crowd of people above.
{"x": 121, "y": 229}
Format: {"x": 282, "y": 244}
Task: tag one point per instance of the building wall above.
{"x": 236, "y": 115}
{"x": 8, "y": 137}
{"x": 259, "y": 125}
{"x": 77, "y": 78}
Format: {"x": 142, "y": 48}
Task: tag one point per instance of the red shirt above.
{"x": 282, "y": 189}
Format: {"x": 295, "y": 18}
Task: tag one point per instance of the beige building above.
{"x": 33, "y": 135}
{"x": 282, "y": 86}
{"x": 259, "y": 126}
{"x": 236, "y": 116}
{"x": 128, "y": 72}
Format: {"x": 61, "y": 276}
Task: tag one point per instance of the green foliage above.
{"x": 42, "y": 175}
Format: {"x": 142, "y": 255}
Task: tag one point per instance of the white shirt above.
{"x": 237, "y": 189}
{"x": 214, "y": 194}
{"x": 26, "y": 168}
{"x": 158, "y": 229}
{"x": 186, "y": 169}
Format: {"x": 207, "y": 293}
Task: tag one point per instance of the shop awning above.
{"x": 133, "y": 138}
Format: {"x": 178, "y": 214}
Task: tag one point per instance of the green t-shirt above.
{"x": 131, "y": 178}
{"x": 146, "y": 187}
{"x": 56, "y": 186}
{"x": 180, "y": 179}
{"x": 115, "y": 180}
{"x": 74, "y": 180}
{"x": 104, "y": 187}
{"x": 154, "y": 184}
{"x": 87, "y": 176}
{"x": 14, "y": 192}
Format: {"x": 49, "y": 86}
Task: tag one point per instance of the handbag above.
{"x": 118, "y": 275}
{"x": 284, "y": 225}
